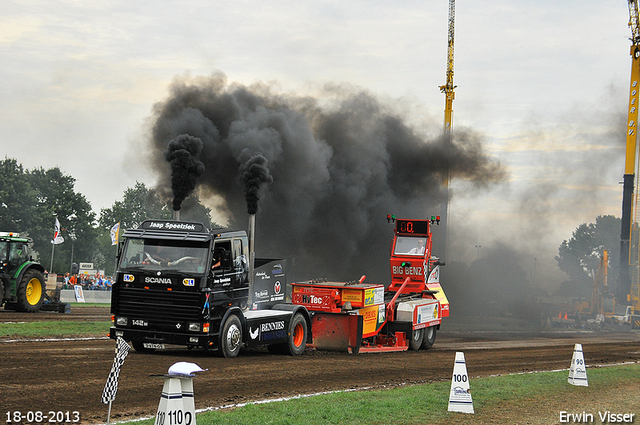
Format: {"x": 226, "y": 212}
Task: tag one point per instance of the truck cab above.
{"x": 184, "y": 284}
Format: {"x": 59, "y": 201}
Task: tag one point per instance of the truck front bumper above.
{"x": 159, "y": 337}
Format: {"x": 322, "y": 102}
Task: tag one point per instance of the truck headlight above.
{"x": 122, "y": 321}
{"x": 194, "y": 327}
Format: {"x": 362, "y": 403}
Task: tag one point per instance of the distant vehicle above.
{"x": 22, "y": 283}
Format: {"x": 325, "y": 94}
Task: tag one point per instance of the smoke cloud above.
{"x": 336, "y": 166}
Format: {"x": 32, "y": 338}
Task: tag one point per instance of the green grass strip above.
{"x": 54, "y": 328}
{"x": 421, "y": 404}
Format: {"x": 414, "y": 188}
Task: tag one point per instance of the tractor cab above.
{"x": 14, "y": 251}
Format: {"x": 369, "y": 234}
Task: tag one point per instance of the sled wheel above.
{"x": 429, "y": 337}
{"x": 297, "y": 335}
{"x": 31, "y": 291}
{"x": 231, "y": 337}
{"x": 417, "y": 337}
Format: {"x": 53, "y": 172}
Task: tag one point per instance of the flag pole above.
{"x": 109, "y": 412}
{"x": 53, "y": 247}
{"x": 56, "y": 240}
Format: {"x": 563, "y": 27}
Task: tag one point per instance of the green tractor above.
{"x": 22, "y": 284}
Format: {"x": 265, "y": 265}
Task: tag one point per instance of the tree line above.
{"x": 32, "y": 199}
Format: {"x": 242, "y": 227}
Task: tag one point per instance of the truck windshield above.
{"x": 409, "y": 245}
{"x": 175, "y": 256}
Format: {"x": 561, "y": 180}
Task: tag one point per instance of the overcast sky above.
{"x": 544, "y": 84}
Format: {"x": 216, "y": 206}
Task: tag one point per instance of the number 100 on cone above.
{"x": 460, "y": 396}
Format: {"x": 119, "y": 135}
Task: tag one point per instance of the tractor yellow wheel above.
{"x": 34, "y": 291}
{"x": 31, "y": 291}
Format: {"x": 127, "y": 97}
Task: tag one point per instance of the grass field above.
{"x": 56, "y": 328}
{"x": 533, "y": 398}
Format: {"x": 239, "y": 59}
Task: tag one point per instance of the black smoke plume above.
{"x": 254, "y": 172}
{"x": 182, "y": 153}
{"x": 339, "y": 165}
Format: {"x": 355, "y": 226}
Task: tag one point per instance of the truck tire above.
{"x": 296, "y": 338}
{"x": 231, "y": 337}
{"x": 30, "y": 291}
{"x": 429, "y": 337}
{"x": 297, "y": 335}
{"x": 417, "y": 337}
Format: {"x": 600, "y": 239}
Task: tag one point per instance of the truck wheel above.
{"x": 297, "y": 335}
{"x": 296, "y": 338}
{"x": 417, "y": 337}
{"x": 231, "y": 337}
{"x": 31, "y": 291}
{"x": 429, "y": 337}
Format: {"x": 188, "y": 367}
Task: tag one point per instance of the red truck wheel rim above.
{"x": 298, "y": 335}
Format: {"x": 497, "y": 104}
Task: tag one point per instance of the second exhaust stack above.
{"x": 252, "y": 256}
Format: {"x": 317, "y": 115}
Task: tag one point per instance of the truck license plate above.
{"x": 152, "y": 345}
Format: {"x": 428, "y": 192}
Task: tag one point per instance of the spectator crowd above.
{"x": 97, "y": 282}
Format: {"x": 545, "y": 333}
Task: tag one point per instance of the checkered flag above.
{"x": 111, "y": 387}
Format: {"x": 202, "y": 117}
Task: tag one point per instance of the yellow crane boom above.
{"x": 629, "y": 288}
{"x": 449, "y": 94}
{"x": 624, "y": 280}
{"x": 448, "y": 87}
{"x": 634, "y": 24}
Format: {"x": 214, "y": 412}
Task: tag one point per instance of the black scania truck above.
{"x": 180, "y": 283}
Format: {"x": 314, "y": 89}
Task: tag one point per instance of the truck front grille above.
{"x": 159, "y": 306}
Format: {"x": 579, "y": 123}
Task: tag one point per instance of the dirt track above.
{"x": 69, "y": 375}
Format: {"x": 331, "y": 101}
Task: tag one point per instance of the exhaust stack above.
{"x": 252, "y": 256}
{"x": 176, "y": 215}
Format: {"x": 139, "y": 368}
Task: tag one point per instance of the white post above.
{"x": 177, "y": 405}
{"x": 578, "y": 370}
{"x": 460, "y": 395}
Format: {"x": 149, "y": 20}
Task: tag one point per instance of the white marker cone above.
{"x": 578, "y": 370}
{"x": 176, "y": 403}
{"x": 460, "y": 396}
